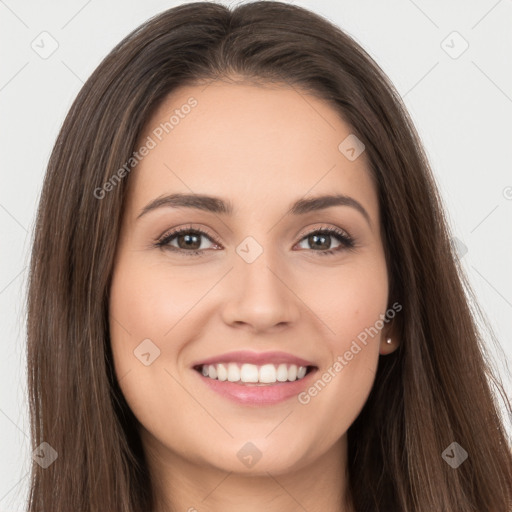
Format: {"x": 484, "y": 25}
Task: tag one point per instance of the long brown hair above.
{"x": 435, "y": 389}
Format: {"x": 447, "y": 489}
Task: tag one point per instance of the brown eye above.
{"x": 187, "y": 241}
{"x": 321, "y": 239}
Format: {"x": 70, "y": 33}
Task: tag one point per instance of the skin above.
{"x": 262, "y": 148}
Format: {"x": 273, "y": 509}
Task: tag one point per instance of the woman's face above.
{"x": 259, "y": 280}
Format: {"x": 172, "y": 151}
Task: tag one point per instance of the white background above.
{"x": 462, "y": 108}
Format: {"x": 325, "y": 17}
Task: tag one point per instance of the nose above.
{"x": 260, "y": 296}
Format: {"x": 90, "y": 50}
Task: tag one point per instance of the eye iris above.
{"x": 191, "y": 241}
{"x": 314, "y": 238}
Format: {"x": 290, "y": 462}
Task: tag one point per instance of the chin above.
{"x": 257, "y": 457}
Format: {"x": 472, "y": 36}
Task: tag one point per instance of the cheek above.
{"x": 151, "y": 308}
{"x": 147, "y": 301}
{"x": 350, "y": 304}
{"x": 143, "y": 308}
{"x": 355, "y": 305}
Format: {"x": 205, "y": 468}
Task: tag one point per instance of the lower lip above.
{"x": 253, "y": 394}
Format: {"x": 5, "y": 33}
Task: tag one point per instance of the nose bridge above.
{"x": 260, "y": 295}
{"x": 256, "y": 270}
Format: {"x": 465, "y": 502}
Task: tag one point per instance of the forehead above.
{"x": 259, "y": 146}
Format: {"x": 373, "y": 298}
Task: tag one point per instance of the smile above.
{"x": 247, "y": 373}
{"x": 248, "y": 390}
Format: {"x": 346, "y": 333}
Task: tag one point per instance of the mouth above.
{"x": 247, "y": 374}
{"x": 255, "y": 385}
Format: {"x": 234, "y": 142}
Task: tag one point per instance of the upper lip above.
{"x": 257, "y": 358}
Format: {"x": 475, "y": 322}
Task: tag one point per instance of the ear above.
{"x": 389, "y": 333}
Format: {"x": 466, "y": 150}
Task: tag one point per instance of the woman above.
{"x": 243, "y": 294}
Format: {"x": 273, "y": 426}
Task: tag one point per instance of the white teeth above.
{"x": 233, "y": 372}
{"x": 222, "y": 373}
{"x": 268, "y": 373}
{"x": 212, "y": 371}
{"x": 251, "y": 373}
{"x": 282, "y": 373}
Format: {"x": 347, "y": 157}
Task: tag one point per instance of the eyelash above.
{"x": 347, "y": 242}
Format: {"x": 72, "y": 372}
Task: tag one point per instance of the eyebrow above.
{"x": 219, "y": 206}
